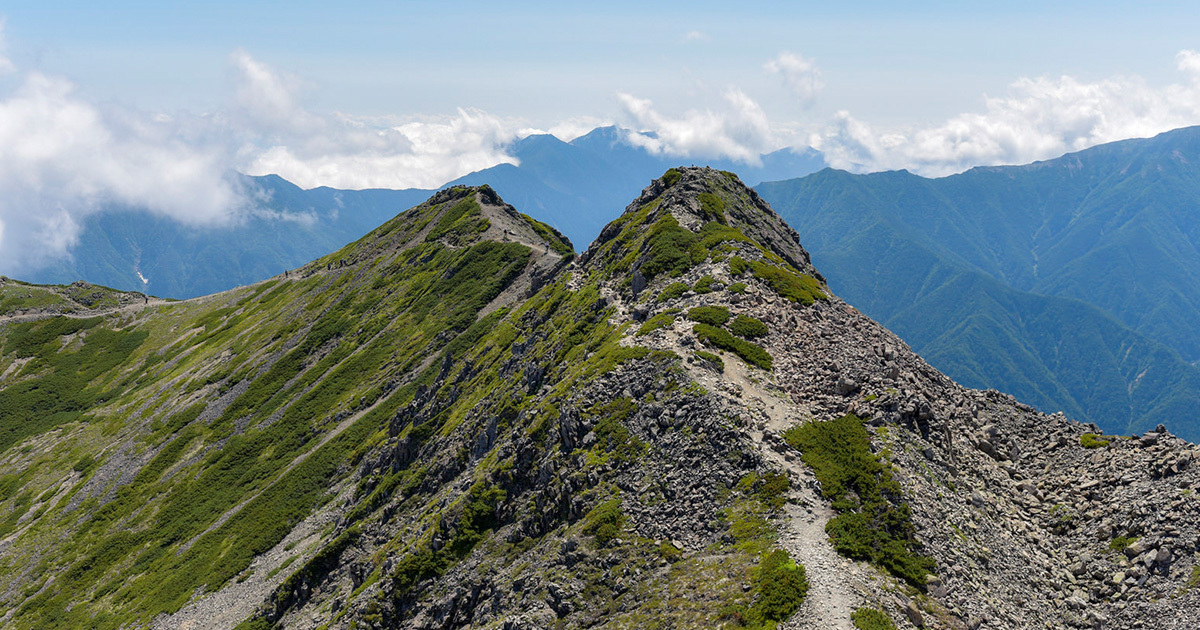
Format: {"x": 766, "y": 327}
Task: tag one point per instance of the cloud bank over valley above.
{"x": 65, "y": 155}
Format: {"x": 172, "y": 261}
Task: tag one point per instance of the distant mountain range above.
{"x": 133, "y": 250}
{"x": 1072, "y": 283}
{"x": 576, "y": 186}
{"x": 581, "y": 185}
{"x": 454, "y": 423}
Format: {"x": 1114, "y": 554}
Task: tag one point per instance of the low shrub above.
{"x": 604, "y": 522}
{"x": 670, "y": 177}
{"x": 1091, "y": 440}
{"x": 673, "y": 290}
{"x": 713, "y": 234}
{"x": 748, "y": 327}
{"x": 873, "y": 522}
{"x": 711, "y": 315}
{"x": 705, "y": 285}
{"x": 795, "y": 287}
{"x": 749, "y": 352}
{"x": 871, "y": 619}
{"x": 711, "y": 359}
{"x": 1121, "y": 542}
{"x": 772, "y": 490}
{"x": 672, "y": 249}
{"x": 782, "y": 586}
{"x": 712, "y": 207}
{"x": 662, "y": 320}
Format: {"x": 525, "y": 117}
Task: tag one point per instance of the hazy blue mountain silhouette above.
{"x": 576, "y": 186}
{"x": 1072, "y": 283}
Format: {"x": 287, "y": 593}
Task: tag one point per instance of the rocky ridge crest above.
{"x": 610, "y": 441}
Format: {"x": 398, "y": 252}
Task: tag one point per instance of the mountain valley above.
{"x": 1069, "y": 283}
{"x": 458, "y": 422}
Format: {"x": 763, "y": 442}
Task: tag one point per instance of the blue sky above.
{"x": 891, "y": 63}
{"x": 152, "y": 104}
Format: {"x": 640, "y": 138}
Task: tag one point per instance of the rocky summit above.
{"x": 456, "y": 422}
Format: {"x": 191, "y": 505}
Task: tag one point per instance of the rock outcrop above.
{"x": 628, "y": 439}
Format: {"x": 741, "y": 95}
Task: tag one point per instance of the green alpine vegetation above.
{"x": 238, "y": 412}
{"x": 1073, "y": 284}
{"x": 871, "y": 619}
{"x": 718, "y": 338}
{"x": 452, "y": 395}
{"x": 873, "y": 523}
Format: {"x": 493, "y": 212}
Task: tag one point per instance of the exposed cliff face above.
{"x": 451, "y": 424}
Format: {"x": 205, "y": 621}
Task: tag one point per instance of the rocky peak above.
{"x": 703, "y": 201}
{"x": 688, "y": 412}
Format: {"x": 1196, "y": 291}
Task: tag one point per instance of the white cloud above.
{"x": 62, "y": 158}
{"x": 1038, "y": 119}
{"x": 696, "y": 36}
{"x": 281, "y": 137}
{"x": 740, "y": 132}
{"x": 800, "y": 75}
{"x": 268, "y": 100}
{"x": 571, "y": 128}
{"x": 1189, "y": 61}
{"x": 351, "y": 153}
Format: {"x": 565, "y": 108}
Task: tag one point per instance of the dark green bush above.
{"x": 711, "y": 359}
{"x": 662, "y": 320}
{"x": 713, "y": 234}
{"x": 780, "y": 586}
{"x": 873, "y": 522}
{"x": 670, "y": 177}
{"x": 783, "y": 585}
{"x": 477, "y": 517}
{"x": 673, "y": 249}
{"x": 84, "y": 465}
{"x": 705, "y": 285}
{"x": 749, "y": 352}
{"x": 737, "y": 287}
{"x": 711, "y": 315}
{"x": 871, "y": 619}
{"x": 772, "y": 490}
{"x": 737, "y": 265}
{"x": 255, "y": 623}
{"x": 795, "y": 287}
{"x": 605, "y": 522}
{"x": 748, "y": 327}
{"x": 673, "y": 290}
{"x": 712, "y": 207}
{"x": 1121, "y": 542}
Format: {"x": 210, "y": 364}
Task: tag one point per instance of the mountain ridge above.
{"x": 285, "y": 226}
{"x": 1033, "y": 230}
{"x": 363, "y": 443}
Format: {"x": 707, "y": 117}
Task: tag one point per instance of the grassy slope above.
{"x": 129, "y": 488}
{"x": 229, "y": 419}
